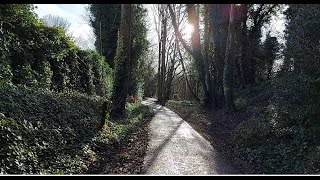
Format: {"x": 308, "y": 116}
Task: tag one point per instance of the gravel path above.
{"x": 175, "y": 148}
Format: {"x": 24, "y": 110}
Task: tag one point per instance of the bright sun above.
{"x": 188, "y": 30}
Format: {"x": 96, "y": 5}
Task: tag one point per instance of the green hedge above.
{"x": 49, "y": 132}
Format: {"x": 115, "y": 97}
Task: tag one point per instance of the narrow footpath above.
{"x": 175, "y": 148}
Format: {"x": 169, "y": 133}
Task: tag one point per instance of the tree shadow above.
{"x": 157, "y": 151}
{"x": 215, "y": 161}
{"x": 220, "y": 165}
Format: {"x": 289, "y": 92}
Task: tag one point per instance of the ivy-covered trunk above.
{"x": 219, "y": 18}
{"x": 228, "y": 78}
{"x": 122, "y": 61}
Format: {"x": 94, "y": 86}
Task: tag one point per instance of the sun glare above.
{"x": 188, "y": 30}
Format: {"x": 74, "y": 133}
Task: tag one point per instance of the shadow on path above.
{"x": 176, "y": 148}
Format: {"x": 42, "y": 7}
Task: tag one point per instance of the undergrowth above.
{"x": 44, "y": 132}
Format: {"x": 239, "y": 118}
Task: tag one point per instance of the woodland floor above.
{"x": 126, "y": 157}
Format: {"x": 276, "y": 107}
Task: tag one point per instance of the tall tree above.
{"x": 219, "y": 21}
{"x": 122, "y": 61}
{"x": 105, "y": 20}
{"x": 303, "y": 53}
{"x": 139, "y": 49}
{"x": 195, "y": 50}
{"x": 157, "y": 20}
{"x": 167, "y": 56}
{"x": 258, "y": 15}
{"x": 163, "y": 13}
{"x": 228, "y": 77}
{"x": 270, "y": 52}
{"x": 193, "y": 94}
{"x": 242, "y": 40}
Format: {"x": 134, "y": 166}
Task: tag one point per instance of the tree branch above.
{"x": 185, "y": 75}
{"x": 177, "y": 32}
{"x": 263, "y": 15}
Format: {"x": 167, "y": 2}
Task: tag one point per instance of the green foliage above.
{"x": 45, "y": 76}
{"x": 45, "y": 57}
{"x": 184, "y": 107}
{"x": 240, "y": 102}
{"x": 270, "y": 52}
{"x": 5, "y": 73}
{"x": 136, "y": 110}
{"x": 86, "y": 75}
{"x": 54, "y": 129}
{"x": 117, "y": 131}
{"x": 139, "y": 50}
{"x": 302, "y": 35}
{"x": 28, "y": 76}
{"x": 121, "y": 69}
{"x": 13, "y": 18}
{"x": 108, "y": 16}
{"x": 56, "y": 133}
{"x": 50, "y": 128}
{"x": 16, "y": 156}
{"x": 282, "y": 134}
{"x": 102, "y": 74}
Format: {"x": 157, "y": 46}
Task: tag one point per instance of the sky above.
{"x": 75, "y": 14}
{"x": 80, "y": 27}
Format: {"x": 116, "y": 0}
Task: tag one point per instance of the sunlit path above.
{"x": 176, "y": 148}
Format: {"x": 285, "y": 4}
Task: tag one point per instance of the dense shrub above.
{"x": 46, "y": 57}
{"x": 53, "y": 127}
{"x": 49, "y": 132}
{"x": 282, "y": 135}
{"x": 302, "y": 51}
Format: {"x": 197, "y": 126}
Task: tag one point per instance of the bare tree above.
{"x": 168, "y": 62}
{"x": 194, "y": 96}
{"x": 56, "y": 21}
{"x": 195, "y": 51}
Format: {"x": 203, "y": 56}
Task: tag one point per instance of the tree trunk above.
{"x": 195, "y": 97}
{"x": 219, "y": 14}
{"x": 197, "y": 55}
{"x": 196, "y": 46}
{"x": 243, "y": 10}
{"x": 228, "y": 78}
{"x": 122, "y": 62}
{"x": 159, "y": 61}
{"x": 250, "y": 55}
{"x": 163, "y": 56}
{"x": 170, "y": 77}
{"x": 159, "y": 74}
{"x": 104, "y": 109}
{"x": 206, "y": 60}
